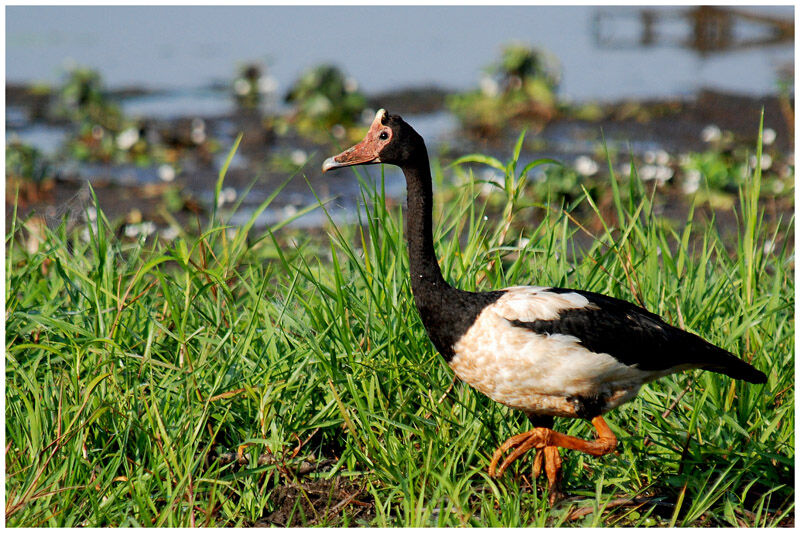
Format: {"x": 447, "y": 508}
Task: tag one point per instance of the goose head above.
{"x": 390, "y": 140}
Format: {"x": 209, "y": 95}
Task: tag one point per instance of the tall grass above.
{"x": 135, "y": 371}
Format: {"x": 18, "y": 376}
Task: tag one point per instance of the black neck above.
{"x": 446, "y": 312}
{"x": 426, "y": 276}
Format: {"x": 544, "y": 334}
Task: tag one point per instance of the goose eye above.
{"x": 383, "y": 136}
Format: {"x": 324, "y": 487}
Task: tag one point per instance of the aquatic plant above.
{"x": 82, "y": 98}
{"x": 324, "y": 98}
{"x": 28, "y": 172}
{"x": 521, "y": 85}
{"x": 252, "y": 86}
{"x": 26, "y": 162}
{"x": 716, "y": 174}
{"x": 520, "y": 66}
{"x": 102, "y": 133}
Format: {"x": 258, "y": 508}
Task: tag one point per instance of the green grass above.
{"x": 132, "y": 367}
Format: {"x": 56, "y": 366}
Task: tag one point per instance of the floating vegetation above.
{"x": 325, "y": 99}
{"x": 28, "y": 172}
{"x": 252, "y": 88}
{"x": 102, "y": 133}
{"x": 715, "y": 176}
{"x": 521, "y": 85}
{"x": 26, "y": 162}
{"x": 83, "y": 99}
{"x": 686, "y": 150}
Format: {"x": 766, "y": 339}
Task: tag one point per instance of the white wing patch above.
{"x": 528, "y": 304}
{"x": 539, "y": 372}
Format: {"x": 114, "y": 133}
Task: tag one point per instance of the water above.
{"x": 179, "y": 103}
{"x": 186, "y": 57}
{"x": 46, "y": 138}
{"x": 383, "y": 48}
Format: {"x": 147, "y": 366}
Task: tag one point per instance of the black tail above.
{"x": 726, "y": 363}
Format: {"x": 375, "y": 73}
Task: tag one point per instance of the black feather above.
{"x": 637, "y": 337}
{"x": 448, "y": 314}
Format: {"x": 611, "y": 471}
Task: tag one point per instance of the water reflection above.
{"x": 705, "y": 29}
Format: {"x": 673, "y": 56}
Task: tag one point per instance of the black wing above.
{"x": 635, "y": 336}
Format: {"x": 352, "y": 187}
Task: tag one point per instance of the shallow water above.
{"x": 185, "y": 59}
{"x": 188, "y": 55}
{"x": 385, "y": 48}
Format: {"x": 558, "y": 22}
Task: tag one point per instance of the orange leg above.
{"x": 546, "y": 441}
{"x": 550, "y": 457}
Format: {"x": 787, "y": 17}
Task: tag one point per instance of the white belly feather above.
{"x": 539, "y": 372}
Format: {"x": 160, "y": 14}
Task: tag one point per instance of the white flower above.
{"x": 338, "y": 131}
{"x": 198, "y": 136}
{"x": 229, "y": 193}
{"x": 350, "y": 85}
{"x": 711, "y": 133}
{"x": 367, "y": 115}
{"x": 198, "y": 131}
{"x": 147, "y": 228}
{"x": 664, "y": 173}
{"x": 766, "y": 161}
{"x": 170, "y": 233}
{"x": 657, "y": 173}
{"x": 166, "y": 172}
{"x": 267, "y": 85}
{"x": 127, "y": 138}
{"x": 226, "y": 196}
{"x": 319, "y": 105}
{"x": 691, "y": 181}
{"x": 91, "y": 214}
{"x": 768, "y": 136}
{"x": 299, "y": 157}
{"x": 647, "y": 172}
{"x": 142, "y": 228}
{"x": 490, "y": 176}
{"x": 241, "y": 86}
{"x": 489, "y": 86}
{"x": 744, "y": 172}
{"x": 586, "y": 165}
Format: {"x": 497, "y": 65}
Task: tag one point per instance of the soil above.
{"x": 333, "y": 502}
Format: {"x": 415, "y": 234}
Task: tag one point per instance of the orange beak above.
{"x": 364, "y": 153}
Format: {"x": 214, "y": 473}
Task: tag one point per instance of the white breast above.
{"x": 538, "y": 372}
